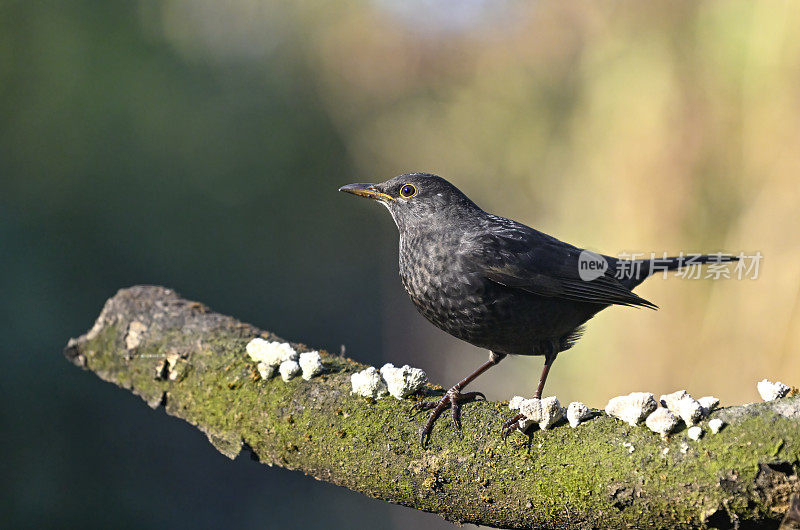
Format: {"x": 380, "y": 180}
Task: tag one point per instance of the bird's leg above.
{"x": 513, "y": 423}
{"x": 453, "y": 399}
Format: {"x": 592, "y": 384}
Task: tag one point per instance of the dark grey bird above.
{"x": 497, "y": 283}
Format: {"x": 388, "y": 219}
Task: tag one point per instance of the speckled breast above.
{"x": 478, "y": 311}
{"x": 448, "y": 295}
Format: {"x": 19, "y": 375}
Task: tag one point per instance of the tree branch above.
{"x": 180, "y": 355}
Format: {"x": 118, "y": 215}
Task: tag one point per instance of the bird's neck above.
{"x": 439, "y": 218}
{"x": 416, "y": 235}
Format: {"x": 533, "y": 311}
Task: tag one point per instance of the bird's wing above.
{"x": 523, "y": 258}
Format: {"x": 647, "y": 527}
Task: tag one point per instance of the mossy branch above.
{"x": 180, "y": 355}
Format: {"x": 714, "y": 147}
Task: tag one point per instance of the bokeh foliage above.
{"x": 198, "y": 144}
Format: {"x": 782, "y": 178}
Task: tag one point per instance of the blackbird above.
{"x": 497, "y": 283}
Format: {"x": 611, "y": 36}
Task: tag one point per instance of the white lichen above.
{"x": 684, "y": 447}
{"x": 404, "y": 381}
{"x": 289, "y": 370}
{"x": 690, "y": 410}
{"x": 515, "y": 402}
{"x": 531, "y": 409}
{"x": 271, "y": 353}
{"x": 708, "y": 403}
{"x": 265, "y": 370}
{"x": 546, "y": 412}
{"x": 136, "y": 331}
{"x": 524, "y": 424}
{"x": 771, "y": 391}
{"x": 682, "y": 404}
{"x": 695, "y": 433}
{"x": 662, "y": 421}
{"x": 716, "y": 425}
{"x": 577, "y": 413}
{"x": 161, "y": 369}
{"x": 628, "y": 446}
{"x": 311, "y": 364}
{"x": 632, "y": 408}
{"x": 551, "y": 412}
{"x": 668, "y": 400}
{"x": 368, "y": 383}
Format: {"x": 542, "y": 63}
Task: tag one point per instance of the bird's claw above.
{"x": 509, "y": 426}
{"x": 419, "y": 406}
{"x": 453, "y": 400}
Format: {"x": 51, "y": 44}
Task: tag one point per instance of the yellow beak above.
{"x": 366, "y": 190}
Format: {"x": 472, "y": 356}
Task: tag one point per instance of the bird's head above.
{"x": 417, "y": 198}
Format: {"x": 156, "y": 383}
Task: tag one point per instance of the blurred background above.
{"x": 199, "y": 144}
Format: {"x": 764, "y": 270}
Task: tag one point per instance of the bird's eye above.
{"x": 408, "y": 191}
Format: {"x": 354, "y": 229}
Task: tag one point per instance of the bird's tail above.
{"x": 638, "y": 270}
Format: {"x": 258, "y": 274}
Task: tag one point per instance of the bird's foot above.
{"x": 452, "y": 400}
{"x": 511, "y": 425}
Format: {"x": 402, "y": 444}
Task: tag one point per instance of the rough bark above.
{"x": 178, "y": 354}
